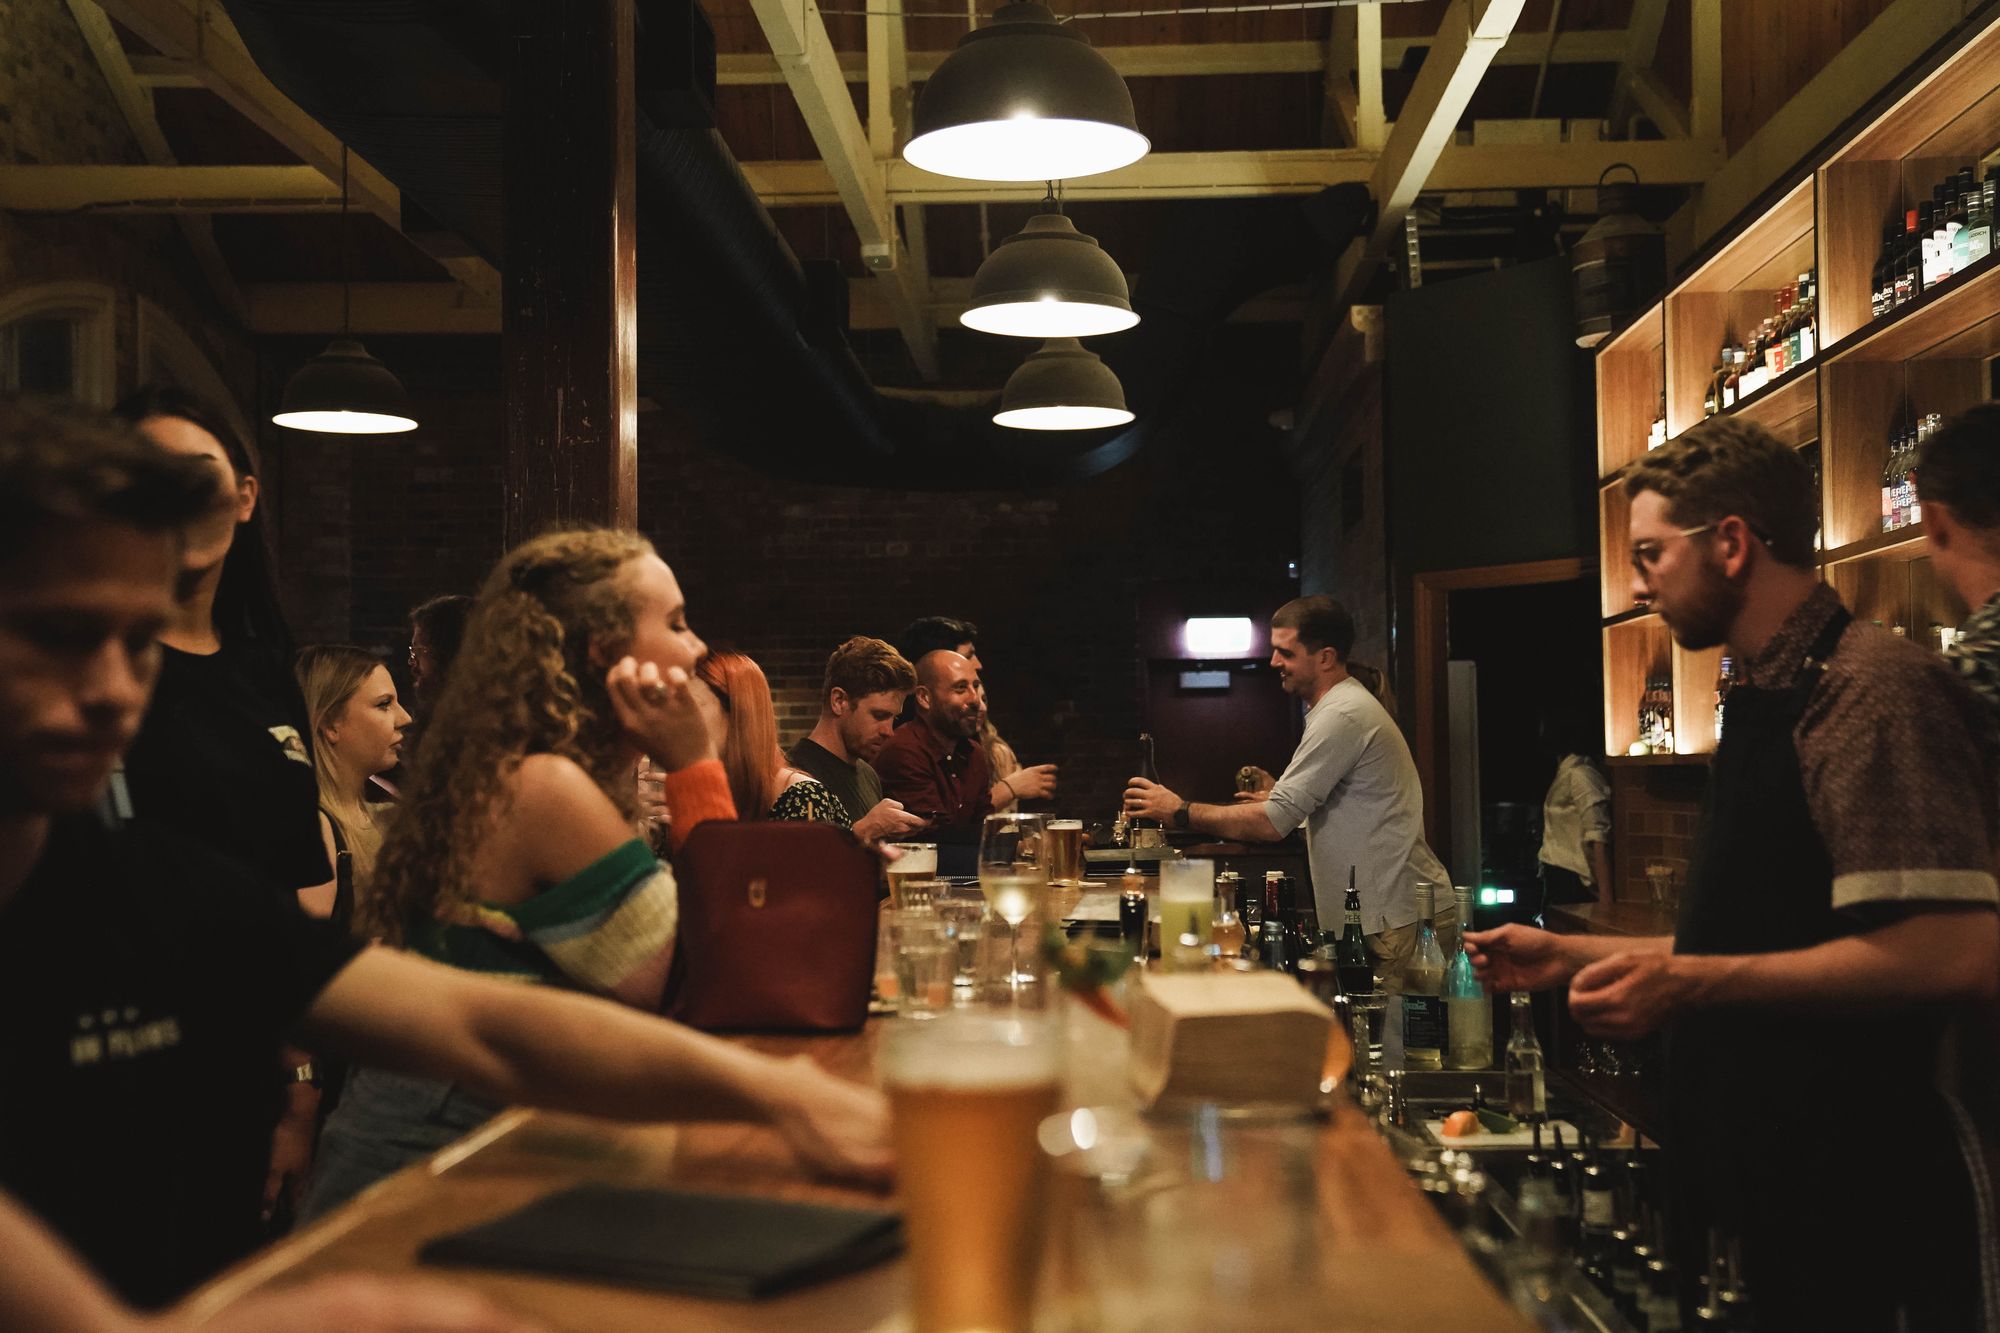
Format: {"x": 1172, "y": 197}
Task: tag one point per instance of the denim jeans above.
{"x": 385, "y": 1122}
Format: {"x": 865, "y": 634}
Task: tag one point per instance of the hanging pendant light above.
{"x": 1062, "y": 386}
{"x": 1049, "y": 280}
{"x": 343, "y": 390}
{"x": 1619, "y": 265}
{"x": 1024, "y": 99}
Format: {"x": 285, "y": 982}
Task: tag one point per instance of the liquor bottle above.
{"x": 1562, "y": 1179}
{"x": 1921, "y": 251}
{"x": 1732, "y": 377}
{"x": 1597, "y": 1219}
{"x": 1943, "y": 225}
{"x": 1808, "y": 312}
{"x": 1882, "y": 294}
{"x": 1468, "y": 1008}
{"x": 1966, "y": 191}
{"x": 1305, "y": 931}
{"x": 1979, "y": 227}
{"x": 1657, "y": 436}
{"x": 1711, "y": 398}
{"x": 1527, "y": 1094}
{"x": 1906, "y": 272}
{"x": 1351, "y": 954}
{"x": 1423, "y": 991}
{"x": 1539, "y": 1276}
{"x": 1276, "y": 956}
{"x": 1723, "y": 680}
{"x": 1889, "y": 488}
{"x": 1660, "y": 1306}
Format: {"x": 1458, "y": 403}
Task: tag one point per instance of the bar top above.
{"x": 1393, "y": 1264}
{"x": 1610, "y": 919}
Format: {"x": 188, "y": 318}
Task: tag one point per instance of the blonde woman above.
{"x": 357, "y": 726}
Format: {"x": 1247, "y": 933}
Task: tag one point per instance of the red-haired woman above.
{"x": 763, "y": 784}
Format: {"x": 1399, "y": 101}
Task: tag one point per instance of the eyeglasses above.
{"x": 1646, "y": 554}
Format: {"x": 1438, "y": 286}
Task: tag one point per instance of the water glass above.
{"x": 926, "y": 959}
{"x": 963, "y": 912}
{"x": 1660, "y": 880}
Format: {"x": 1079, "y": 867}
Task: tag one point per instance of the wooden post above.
{"x": 569, "y": 333}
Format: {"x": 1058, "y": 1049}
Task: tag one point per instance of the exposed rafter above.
{"x": 805, "y": 53}
{"x": 135, "y": 103}
{"x": 1469, "y": 36}
{"x": 1642, "y": 41}
{"x": 167, "y": 189}
{"x": 201, "y": 35}
{"x": 1270, "y": 172}
{"x": 315, "y": 308}
{"x": 1504, "y": 166}
{"x": 1606, "y": 46}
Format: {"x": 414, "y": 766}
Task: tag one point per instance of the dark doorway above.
{"x": 1537, "y": 657}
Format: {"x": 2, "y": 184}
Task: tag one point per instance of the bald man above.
{"x": 933, "y": 764}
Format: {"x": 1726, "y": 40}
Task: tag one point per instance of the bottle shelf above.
{"x": 1871, "y": 380}
{"x": 1929, "y": 326}
{"x": 1903, "y": 544}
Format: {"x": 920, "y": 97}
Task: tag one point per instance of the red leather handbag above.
{"x": 777, "y": 928}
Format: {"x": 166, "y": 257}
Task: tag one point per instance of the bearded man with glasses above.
{"x": 1839, "y": 910}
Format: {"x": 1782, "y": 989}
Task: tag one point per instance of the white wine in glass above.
{"x": 1014, "y": 875}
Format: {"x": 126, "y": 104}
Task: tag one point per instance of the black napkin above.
{"x": 715, "y": 1245}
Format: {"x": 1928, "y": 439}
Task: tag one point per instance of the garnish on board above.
{"x": 1085, "y": 968}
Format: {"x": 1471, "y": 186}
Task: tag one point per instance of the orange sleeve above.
{"x": 696, "y": 794}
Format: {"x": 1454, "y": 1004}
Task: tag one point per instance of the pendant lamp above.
{"x": 1049, "y": 280}
{"x": 1024, "y": 99}
{"x": 1062, "y": 386}
{"x": 343, "y": 390}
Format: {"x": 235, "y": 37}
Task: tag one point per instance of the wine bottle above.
{"x": 1468, "y": 1008}
{"x": 1357, "y": 976}
{"x": 1527, "y": 1093}
{"x": 1423, "y": 990}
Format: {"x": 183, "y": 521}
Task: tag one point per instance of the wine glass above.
{"x": 1014, "y": 874}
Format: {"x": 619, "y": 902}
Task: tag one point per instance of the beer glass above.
{"x": 967, "y": 1092}
{"x": 1013, "y": 872}
{"x": 1065, "y": 838}
{"x": 1187, "y": 907}
{"x": 918, "y": 861}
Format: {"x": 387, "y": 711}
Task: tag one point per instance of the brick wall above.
{"x": 1654, "y": 809}
{"x": 784, "y": 570}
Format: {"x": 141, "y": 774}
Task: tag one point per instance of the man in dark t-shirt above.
{"x": 145, "y": 984}
{"x": 866, "y": 681}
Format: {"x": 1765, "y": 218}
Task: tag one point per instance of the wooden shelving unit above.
{"x": 1871, "y": 378}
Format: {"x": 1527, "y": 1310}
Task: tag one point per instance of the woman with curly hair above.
{"x": 762, "y": 784}
{"x": 514, "y": 852}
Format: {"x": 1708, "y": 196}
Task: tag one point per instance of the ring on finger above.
{"x": 653, "y": 692}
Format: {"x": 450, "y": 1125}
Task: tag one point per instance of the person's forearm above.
{"x": 1247, "y": 821}
{"x": 1583, "y": 950}
{"x": 1003, "y": 794}
{"x": 568, "y": 1052}
{"x": 44, "y": 1286}
{"x": 1937, "y": 955}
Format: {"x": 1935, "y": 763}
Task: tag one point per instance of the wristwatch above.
{"x": 1181, "y": 815}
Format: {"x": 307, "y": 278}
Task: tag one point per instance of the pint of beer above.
{"x": 967, "y": 1091}
{"x": 918, "y": 861}
{"x": 1065, "y": 856}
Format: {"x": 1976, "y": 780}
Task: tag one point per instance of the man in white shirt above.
{"x": 1576, "y": 833}
{"x": 1351, "y": 782}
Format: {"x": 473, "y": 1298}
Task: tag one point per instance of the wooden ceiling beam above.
{"x": 135, "y": 103}
{"x": 798, "y": 37}
{"x": 1642, "y": 42}
{"x": 1270, "y": 172}
{"x": 201, "y": 35}
{"x": 303, "y": 309}
{"x": 1603, "y": 46}
{"x": 166, "y": 189}
{"x": 1470, "y": 34}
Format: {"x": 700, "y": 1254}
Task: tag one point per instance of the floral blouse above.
{"x": 812, "y": 800}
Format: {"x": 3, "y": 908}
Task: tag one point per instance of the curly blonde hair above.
{"x": 525, "y": 682}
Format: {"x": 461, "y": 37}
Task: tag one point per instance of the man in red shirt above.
{"x": 933, "y": 764}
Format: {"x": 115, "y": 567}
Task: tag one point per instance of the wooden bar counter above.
{"x": 1391, "y": 1263}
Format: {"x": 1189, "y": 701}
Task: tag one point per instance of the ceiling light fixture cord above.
{"x": 346, "y": 278}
